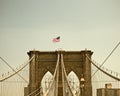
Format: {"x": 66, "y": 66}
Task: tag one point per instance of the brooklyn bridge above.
{"x": 59, "y": 73}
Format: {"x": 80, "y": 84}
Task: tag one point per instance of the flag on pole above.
{"x": 57, "y": 39}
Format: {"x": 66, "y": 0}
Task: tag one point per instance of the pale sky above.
{"x": 32, "y": 24}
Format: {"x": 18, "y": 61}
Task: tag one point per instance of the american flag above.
{"x": 57, "y": 39}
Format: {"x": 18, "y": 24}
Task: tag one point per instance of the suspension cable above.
{"x": 99, "y": 68}
{"x": 16, "y": 72}
{"x": 37, "y": 94}
{"x": 63, "y": 79}
{"x": 106, "y": 58}
{"x": 63, "y": 68}
{"x": 34, "y": 92}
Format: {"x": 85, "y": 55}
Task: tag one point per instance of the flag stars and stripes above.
{"x": 57, "y": 39}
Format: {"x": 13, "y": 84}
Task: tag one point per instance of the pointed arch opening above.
{"x": 45, "y": 82}
{"x": 74, "y": 82}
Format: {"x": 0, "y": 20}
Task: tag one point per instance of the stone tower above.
{"x": 45, "y": 61}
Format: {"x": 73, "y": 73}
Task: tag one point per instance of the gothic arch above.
{"x": 46, "y": 80}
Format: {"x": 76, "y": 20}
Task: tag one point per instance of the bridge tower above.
{"x": 45, "y": 61}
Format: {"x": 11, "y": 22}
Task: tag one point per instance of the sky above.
{"x": 32, "y": 24}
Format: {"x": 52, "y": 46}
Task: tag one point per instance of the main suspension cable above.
{"x": 13, "y": 69}
{"x": 106, "y": 59}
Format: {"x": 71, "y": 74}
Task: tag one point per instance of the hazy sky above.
{"x": 29, "y": 24}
